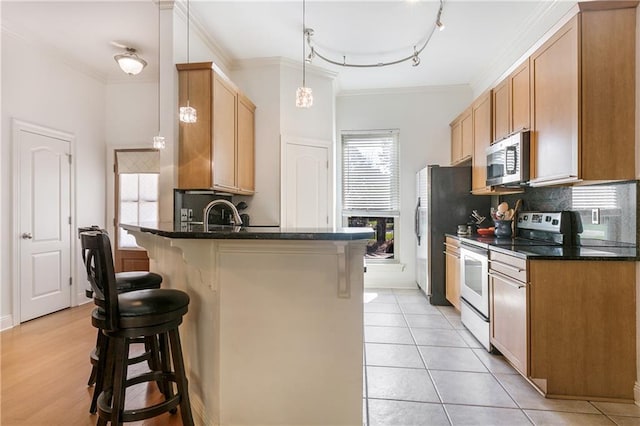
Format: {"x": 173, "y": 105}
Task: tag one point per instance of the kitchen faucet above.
{"x": 235, "y": 220}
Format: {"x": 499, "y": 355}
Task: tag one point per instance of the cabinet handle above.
{"x": 506, "y": 280}
{"x": 448, "y": 253}
{"x": 506, "y": 265}
{"x": 451, "y": 246}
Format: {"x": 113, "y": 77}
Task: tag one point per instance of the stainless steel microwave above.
{"x": 508, "y": 160}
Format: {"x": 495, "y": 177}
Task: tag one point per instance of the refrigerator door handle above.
{"x": 417, "y": 221}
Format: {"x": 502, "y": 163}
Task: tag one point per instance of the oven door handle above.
{"x": 506, "y": 265}
{"x": 506, "y": 280}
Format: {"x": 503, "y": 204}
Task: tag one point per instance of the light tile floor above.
{"x": 422, "y": 367}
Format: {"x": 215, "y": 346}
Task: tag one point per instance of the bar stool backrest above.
{"x": 98, "y": 261}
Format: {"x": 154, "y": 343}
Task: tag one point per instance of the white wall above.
{"x": 271, "y": 84}
{"x": 423, "y": 117}
{"x": 261, "y": 83}
{"x": 39, "y": 88}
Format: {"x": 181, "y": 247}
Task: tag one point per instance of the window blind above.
{"x": 370, "y": 172}
{"x": 594, "y": 197}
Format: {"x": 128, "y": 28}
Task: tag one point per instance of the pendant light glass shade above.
{"x": 188, "y": 114}
{"x": 129, "y": 62}
{"x": 304, "y": 97}
{"x": 158, "y": 142}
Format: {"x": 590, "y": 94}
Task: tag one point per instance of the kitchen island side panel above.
{"x": 274, "y": 332}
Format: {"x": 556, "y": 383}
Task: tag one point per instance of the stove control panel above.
{"x": 541, "y": 221}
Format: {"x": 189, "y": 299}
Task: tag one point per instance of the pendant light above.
{"x": 158, "y": 140}
{"x": 304, "y": 94}
{"x": 188, "y": 114}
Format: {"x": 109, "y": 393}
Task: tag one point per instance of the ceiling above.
{"x": 481, "y": 39}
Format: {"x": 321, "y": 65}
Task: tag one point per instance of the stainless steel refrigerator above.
{"x": 444, "y": 201}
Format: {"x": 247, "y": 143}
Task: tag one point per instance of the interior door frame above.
{"x": 331, "y": 192}
{"x": 113, "y": 194}
{"x": 17, "y": 127}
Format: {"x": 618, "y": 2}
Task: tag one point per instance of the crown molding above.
{"x": 526, "y": 42}
{"x": 46, "y": 49}
{"x": 241, "y": 64}
{"x": 195, "y": 24}
{"x": 405, "y": 90}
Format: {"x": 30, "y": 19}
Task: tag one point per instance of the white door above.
{"x": 44, "y": 224}
{"x": 306, "y": 186}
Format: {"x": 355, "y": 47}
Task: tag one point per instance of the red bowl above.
{"x": 485, "y": 231}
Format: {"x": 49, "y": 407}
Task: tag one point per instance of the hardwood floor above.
{"x": 44, "y": 369}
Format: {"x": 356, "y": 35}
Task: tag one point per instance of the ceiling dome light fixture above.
{"x": 414, "y": 57}
{"x": 130, "y": 62}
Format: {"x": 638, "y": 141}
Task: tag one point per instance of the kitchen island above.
{"x": 274, "y": 333}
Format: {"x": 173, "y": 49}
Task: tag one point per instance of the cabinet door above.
{"x": 501, "y": 108}
{"x": 246, "y": 145}
{"x": 481, "y": 140}
{"x": 509, "y": 320}
{"x": 452, "y": 289}
{"x": 554, "y": 106}
{"x": 224, "y": 135}
{"x": 467, "y": 136}
{"x": 194, "y": 147}
{"x": 456, "y": 141}
{"x": 520, "y": 99}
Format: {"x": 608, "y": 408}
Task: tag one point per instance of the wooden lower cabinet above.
{"x": 509, "y": 312}
{"x": 567, "y": 325}
{"x": 452, "y": 263}
{"x": 582, "y": 319}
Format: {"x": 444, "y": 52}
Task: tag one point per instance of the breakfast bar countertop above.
{"x": 226, "y": 232}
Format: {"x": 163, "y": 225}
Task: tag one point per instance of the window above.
{"x": 136, "y": 191}
{"x": 370, "y": 187}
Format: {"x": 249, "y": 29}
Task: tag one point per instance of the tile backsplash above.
{"x": 616, "y": 205}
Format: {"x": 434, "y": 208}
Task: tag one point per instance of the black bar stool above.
{"x": 125, "y": 281}
{"x": 152, "y": 313}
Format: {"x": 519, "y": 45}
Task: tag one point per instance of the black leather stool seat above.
{"x": 145, "y": 308}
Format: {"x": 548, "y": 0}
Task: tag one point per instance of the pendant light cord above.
{"x": 188, "y": 71}
{"x": 159, "y": 48}
{"x": 304, "y": 29}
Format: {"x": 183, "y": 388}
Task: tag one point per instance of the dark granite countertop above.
{"x": 592, "y": 250}
{"x": 227, "y": 232}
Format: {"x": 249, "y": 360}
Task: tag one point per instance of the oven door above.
{"x": 474, "y": 278}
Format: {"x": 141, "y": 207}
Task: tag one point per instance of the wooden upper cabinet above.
{"x": 583, "y": 98}
{"x": 520, "y": 98}
{"x": 246, "y": 146}
{"x": 217, "y": 151}
{"x": 462, "y": 138}
{"x": 224, "y": 135}
{"x": 481, "y": 112}
{"x": 501, "y": 109}
{"x": 511, "y": 103}
{"x": 467, "y": 137}
{"x": 194, "y": 143}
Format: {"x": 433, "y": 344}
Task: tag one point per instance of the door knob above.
{"x": 27, "y": 236}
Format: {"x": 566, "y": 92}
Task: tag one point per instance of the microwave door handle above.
{"x": 510, "y": 160}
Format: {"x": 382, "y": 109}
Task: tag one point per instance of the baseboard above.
{"x": 636, "y": 393}
{"x": 198, "y": 411}
{"x": 6, "y": 322}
